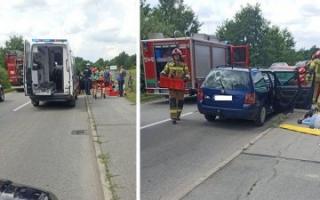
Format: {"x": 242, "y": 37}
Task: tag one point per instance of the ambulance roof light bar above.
{"x": 49, "y": 40}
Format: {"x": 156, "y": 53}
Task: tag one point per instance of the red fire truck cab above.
{"x": 200, "y": 52}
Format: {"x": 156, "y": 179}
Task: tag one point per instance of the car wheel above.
{"x": 1, "y": 95}
{"x": 261, "y": 116}
{"x": 35, "y": 102}
{"x": 210, "y": 118}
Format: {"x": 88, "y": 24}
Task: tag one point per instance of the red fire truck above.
{"x": 14, "y": 65}
{"x": 200, "y": 52}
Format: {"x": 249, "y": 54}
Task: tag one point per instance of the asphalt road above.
{"x": 38, "y": 149}
{"x": 175, "y": 158}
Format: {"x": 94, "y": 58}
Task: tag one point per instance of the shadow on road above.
{"x": 56, "y": 106}
{"x": 242, "y": 125}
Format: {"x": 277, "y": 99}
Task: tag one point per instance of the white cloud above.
{"x": 95, "y": 28}
{"x": 301, "y": 18}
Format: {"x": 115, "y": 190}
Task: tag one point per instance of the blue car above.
{"x": 249, "y": 93}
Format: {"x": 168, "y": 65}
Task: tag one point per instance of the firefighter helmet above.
{"x": 316, "y": 54}
{"x": 176, "y": 51}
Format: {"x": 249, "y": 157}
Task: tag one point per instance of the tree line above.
{"x": 124, "y": 59}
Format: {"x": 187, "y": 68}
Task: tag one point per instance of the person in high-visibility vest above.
{"x": 314, "y": 65}
{"x": 177, "y": 70}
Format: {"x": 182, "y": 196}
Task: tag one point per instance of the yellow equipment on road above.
{"x": 300, "y": 129}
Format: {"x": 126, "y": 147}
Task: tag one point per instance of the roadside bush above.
{"x": 4, "y": 78}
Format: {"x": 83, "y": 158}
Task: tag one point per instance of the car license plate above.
{"x": 222, "y": 97}
{"x": 43, "y": 93}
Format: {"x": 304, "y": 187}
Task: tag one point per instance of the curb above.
{"x": 98, "y": 151}
{"x": 188, "y": 190}
{"x": 9, "y": 90}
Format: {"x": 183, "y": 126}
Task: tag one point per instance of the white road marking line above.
{"x": 19, "y": 107}
{"x": 163, "y": 121}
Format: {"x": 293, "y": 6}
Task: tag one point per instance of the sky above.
{"x": 94, "y": 28}
{"x": 300, "y": 17}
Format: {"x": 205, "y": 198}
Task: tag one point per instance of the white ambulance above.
{"x": 49, "y": 71}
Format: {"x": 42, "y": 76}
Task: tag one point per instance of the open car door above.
{"x": 307, "y": 84}
{"x": 290, "y": 92}
{"x": 27, "y": 79}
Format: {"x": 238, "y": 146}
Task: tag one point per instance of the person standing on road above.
{"x": 87, "y": 79}
{"x": 314, "y": 65}
{"x": 177, "y": 70}
{"x": 120, "y": 79}
{"x": 107, "y": 76}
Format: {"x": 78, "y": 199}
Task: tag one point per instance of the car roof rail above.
{"x": 233, "y": 66}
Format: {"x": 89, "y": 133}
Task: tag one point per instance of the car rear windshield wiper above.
{"x": 221, "y": 83}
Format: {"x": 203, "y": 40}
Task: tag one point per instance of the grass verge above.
{"x": 149, "y": 97}
{"x": 131, "y": 87}
{"x": 105, "y": 160}
{"x": 9, "y": 90}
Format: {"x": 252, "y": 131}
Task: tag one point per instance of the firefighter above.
{"x": 178, "y": 70}
{"x": 314, "y": 65}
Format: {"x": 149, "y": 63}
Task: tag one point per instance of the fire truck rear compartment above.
{"x": 162, "y": 56}
{"x": 47, "y": 70}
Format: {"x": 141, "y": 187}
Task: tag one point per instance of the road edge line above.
{"x": 98, "y": 151}
{"x": 163, "y": 121}
{"x": 21, "y": 106}
{"x": 221, "y": 165}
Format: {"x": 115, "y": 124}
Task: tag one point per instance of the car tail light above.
{"x": 200, "y": 94}
{"x": 250, "y": 98}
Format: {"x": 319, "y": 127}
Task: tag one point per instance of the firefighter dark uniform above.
{"x": 176, "y": 70}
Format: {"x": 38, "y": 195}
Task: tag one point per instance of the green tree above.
{"x": 2, "y": 55}
{"x": 167, "y": 17}
{"x": 268, "y": 43}
{"x": 100, "y": 63}
{"x": 4, "y": 78}
{"x": 15, "y": 43}
{"x": 80, "y": 63}
{"x": 277, "y": 45}
{"x": 247, "y": 27}
{"x": 124, "y": 59}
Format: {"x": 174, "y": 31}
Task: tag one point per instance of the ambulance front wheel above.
{"x": 35, "y": 102}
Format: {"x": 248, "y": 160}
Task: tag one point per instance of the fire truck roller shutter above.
{"x": 202, "y": 61}
{"x": 218, "y": 56}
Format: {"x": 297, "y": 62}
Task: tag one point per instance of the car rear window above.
{"x": 227, "y": 79}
